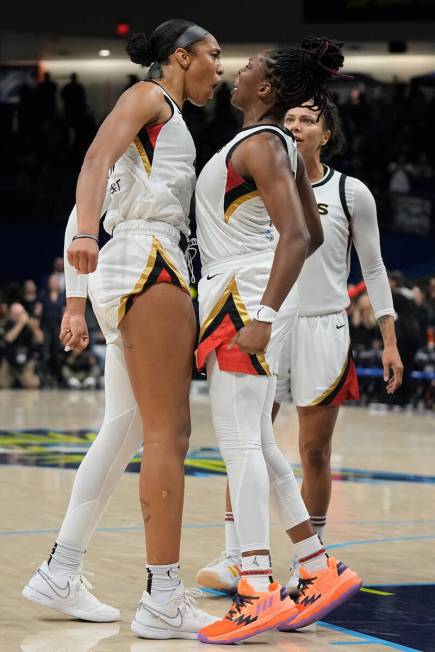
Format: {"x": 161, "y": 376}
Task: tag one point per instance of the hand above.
{"x": 393, "y": 368}
{"x": 252, "y": 338}
{"x": 83, "y": 255}
{"x": 74, "y": 331}
{"x": 24, "y": 318}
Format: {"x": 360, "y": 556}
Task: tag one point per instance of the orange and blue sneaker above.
{"x": 322, "y": 591}
{"x": 250, "y": 613}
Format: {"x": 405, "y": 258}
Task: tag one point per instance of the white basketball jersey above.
{"x": 323, "y": 279}
{"x": 155, "y": 177}
{"x": 230, "y": 213}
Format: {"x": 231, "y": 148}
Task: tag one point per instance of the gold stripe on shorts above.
{"x": 331, "y": 388}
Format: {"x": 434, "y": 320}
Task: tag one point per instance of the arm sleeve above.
{"x": 76, "y": 285}
{"x": 365, "y": 233}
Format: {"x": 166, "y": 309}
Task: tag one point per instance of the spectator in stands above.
{"x": 53, "y": 305}
{"x": 422, "y": 313}
{"x": 23, "y": 341}
{"x": 46, "y": 97}
{"x": 73, "y": 96}
{"x": 80, "y": 370}
{"x": 431, "y": 300}
{"x": 408, "y": 331}
{"x": 400, "y": 175}
{"x": 30, "y": 299}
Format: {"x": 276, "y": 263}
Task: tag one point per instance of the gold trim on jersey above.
{"x": 331, "y": 388}
{"x": 142, "y": 153}
{"x": 238, "y": 202}
{"x": 233, "y": 290}
{"x": 155, "y": 247}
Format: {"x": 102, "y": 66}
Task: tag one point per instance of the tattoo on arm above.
{"x": 388, "y": 331}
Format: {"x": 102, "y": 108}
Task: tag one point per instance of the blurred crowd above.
{"x": 31, "y": 355}
{"x": 389, "y": 129}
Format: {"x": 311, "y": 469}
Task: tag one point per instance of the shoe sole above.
{"x": 318, "y": 615}
{"x": 274, "y": 622}
{"x": 211, "y": 581}
{"x": 39, "y": 598}
{"x": 145, "y": 631}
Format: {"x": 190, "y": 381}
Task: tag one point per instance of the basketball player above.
{"x": 247, "y": 306}
{"x": 140, "y": 294}
{"x": 316, "y": 362}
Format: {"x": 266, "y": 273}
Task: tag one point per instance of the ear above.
{"x": 183, "y": 58}
{"x": 326, "y": 137}
{"x": 264, "y": 89}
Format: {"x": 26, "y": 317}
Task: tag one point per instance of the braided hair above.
{"x": 332, "y": 121}
{"x": 300, "y": 74}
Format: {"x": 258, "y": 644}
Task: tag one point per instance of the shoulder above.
{"x": 355, "y": 187}
{"x": 267, "y": 142}
{"x": 143, "y": 93}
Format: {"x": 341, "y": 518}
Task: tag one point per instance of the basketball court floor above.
{"x": 381, "y": 523}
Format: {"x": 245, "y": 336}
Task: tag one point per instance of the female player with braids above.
{"x": 248, "y": 304}
{"x": 140, "y": 294}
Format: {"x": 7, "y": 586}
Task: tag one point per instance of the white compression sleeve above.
{"x": 236, "y": 402}
{"x": 120, "y": 436}
{"x": 284, "y": 486}
{"x": 76, "y": 285}
{"x": 365, "y": 233}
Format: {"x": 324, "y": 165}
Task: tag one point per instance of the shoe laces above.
{"x": 188, "y": 598}
{"x": 239, "y": 602}
{"x": 81, "y": 580}
{"x": 303, "y": 587}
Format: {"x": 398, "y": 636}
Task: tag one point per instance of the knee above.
{"x": 316, "y": 456}
{"x": 172, "y": 442}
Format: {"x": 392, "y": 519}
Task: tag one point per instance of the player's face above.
{"x": 204, "y": 72}
{"x": 310, "y": 131}
{"x": 250, "y": 79}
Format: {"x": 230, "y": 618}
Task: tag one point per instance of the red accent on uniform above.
{"x": 350, "y": 388}
{"x": 164, "y": 277}
{"x": 153, "y": 133}
{"x": 357, "y": 289}
{"x": 232, "y": 360}
{"x": 233, "y": 179}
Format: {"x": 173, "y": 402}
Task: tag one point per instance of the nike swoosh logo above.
{"x": 172, "y": 621}
{"x": 342, "y": 326}
{"x": 210, "y": 277}
{"x": 60, "y": 591}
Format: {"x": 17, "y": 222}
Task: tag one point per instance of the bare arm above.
{"x": 263, "y": 158}
{"x": 139, "y": 105}
{"x": 309, "y": 205}
{"x": 14, "y": 332}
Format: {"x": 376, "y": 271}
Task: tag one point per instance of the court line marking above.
{"x": 367, "y": 542}
{"x": 375, "y": 591}
{"x": 368, "y": 638}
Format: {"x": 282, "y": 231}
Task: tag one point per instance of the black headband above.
{"x": 192, "y": 34}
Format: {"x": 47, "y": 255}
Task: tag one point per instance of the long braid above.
{"x": 300, "y": 74}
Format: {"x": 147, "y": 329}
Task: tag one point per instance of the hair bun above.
{"x": 140, "y": 49}
{"x": 323, "y": 53}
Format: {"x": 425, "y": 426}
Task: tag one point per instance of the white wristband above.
{"x": 266, "y": 314}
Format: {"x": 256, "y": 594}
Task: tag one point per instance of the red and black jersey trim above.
{"x": 159, "y": 269}
{"x": 225, "y": 320}
{"x": 237, "y": 191}
{"x": 145, "y": 143}
{"x": 344, "y": 388}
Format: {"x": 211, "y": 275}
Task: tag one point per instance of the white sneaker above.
{"x": 180, "y": 617}
{"x": 68, "y": 594}
{"x": 292, "y": 584}
{"x": 222, "y": 573}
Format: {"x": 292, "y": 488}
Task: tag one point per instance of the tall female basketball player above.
{"x": 140, "y": 294}
{"x": 246, "y": 311}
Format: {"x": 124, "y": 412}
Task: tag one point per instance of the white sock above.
{"x": 319, "y": 524}
{"x": 232, "y": 545}
{"x": 163, "y": 581}
{"x": 311, "y": 553}
{"x": 66, "y": 558}
{"x": 257, "y": 569}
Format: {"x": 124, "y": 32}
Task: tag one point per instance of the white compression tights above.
{"x": 119, "y": 438}
{"x": 241, "y": 407}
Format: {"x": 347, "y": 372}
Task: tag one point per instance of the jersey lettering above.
{"x": 323, "y": 209}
